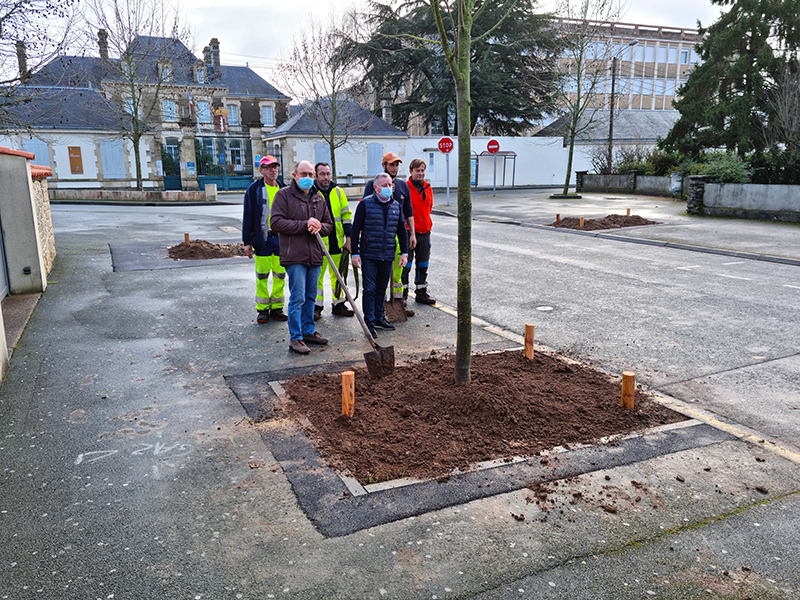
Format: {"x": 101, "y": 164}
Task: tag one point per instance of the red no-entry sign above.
{"x": 493, "y": 146}
{"x": 445, "y": 145}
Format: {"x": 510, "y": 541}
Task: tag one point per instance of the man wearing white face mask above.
{"x": 376, "y": 224}
{"x": 298, "y": 213}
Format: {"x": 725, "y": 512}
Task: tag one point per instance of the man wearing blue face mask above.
{"x": 377, "y": 223}
{"x": 298, "y": 213}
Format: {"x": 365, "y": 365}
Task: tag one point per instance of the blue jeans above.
{"x": 302, "y": 296}
{"x": 375, "y": 276}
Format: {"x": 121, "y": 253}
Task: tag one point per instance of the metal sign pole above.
{"x": 494, "y": 179}
{"x": 447, "y": 168}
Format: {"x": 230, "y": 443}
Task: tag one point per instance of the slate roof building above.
{"x": 364, "y": 136}
{"x": 200, "y": 121}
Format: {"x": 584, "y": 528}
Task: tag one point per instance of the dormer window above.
{"x": 166, "y": 73}
{"x": 201, "y": 75}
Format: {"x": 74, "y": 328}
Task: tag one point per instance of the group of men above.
{"x": 282, "y": 227}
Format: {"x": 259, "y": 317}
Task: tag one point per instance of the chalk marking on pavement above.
{"x": 739, "y": 262}
{"x": 734, "y": 277}
{"x": 688, "y": 268}
{"x": 794, "y": 287}
{"x": 738, "y": 431}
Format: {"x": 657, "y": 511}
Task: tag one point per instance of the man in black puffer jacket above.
{"x": 378, "y": 222}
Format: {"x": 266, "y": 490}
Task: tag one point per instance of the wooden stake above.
{"x": 186, "y": 238}
{"x": 628, "y": 389}
{"x": 558, "y": 218}
{"x": 581, "y": 221}
{"x": 348, "y": 393}
{"x": 529, "y": 341}
{"x": 629, "y": 212}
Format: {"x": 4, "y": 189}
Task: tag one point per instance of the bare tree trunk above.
{"x": 464, "y": 286}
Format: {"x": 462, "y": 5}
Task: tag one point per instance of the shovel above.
{"x": 380, "y": 361}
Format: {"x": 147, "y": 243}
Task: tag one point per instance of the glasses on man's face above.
{"x": 270, "y": 167}
{"x": 305, "y": 174}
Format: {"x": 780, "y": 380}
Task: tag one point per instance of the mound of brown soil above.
{"x": 418, "y": 423}
{"x": 201, "y": 249}
{"x": 609, "y": 222}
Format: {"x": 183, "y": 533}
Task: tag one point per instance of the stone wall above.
{"x": 207, "y": 195}
{"x": 44, "y": 221}
{"x": 743, "y": 200}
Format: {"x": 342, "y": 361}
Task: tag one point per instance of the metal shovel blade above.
{"x": 380, "y": 362}
{"x": 394, "y": 310}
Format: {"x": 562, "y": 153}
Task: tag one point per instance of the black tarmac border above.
{"x": 327, "y": 502}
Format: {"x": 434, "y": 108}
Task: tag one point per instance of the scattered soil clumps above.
{"x": 418, "y": 423}
{"x": 609, "y": 222}
{"x": 201, "y": 249}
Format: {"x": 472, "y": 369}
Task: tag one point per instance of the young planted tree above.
{"x": 324, "y": 80}
{"x": 150, "y": 41}
{"x": 584, "y": 64}
{"x": 454, "y": 25}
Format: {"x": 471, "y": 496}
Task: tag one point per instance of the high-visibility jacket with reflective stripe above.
{"x": 341, "y": 214}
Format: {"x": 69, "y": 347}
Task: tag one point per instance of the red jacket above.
{"x": 421, "y": 205}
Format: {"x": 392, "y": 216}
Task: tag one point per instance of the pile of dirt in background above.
{"x": 419, "y": 423}
{"x": 201, "y": 249}
{"x": 609, "y": 222}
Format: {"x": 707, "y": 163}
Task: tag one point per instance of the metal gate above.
{"x": 171, "y": 160}
{"x": 225, "y": 161}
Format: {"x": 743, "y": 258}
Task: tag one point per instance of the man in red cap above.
{"x": 391, "y": 165}
{"x": 260, "y": 241}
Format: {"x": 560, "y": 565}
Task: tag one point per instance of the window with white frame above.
{"x": 639, "y": 52}
{"x": 267, "y": 118}
{"x": 169, "y": 110}
{"x": 201, "y": 75}
{"x": 670, "y": 91}
{"x": 204, "y": 112}
{"x": 662, "y": 53}
{"x": 129, "y": 106}
{"x": 233, "y": 115}
{"x": 647, "y": 86}
{"x": 649, "y": 53}
{"x": 673, "y": 55}
{"x": 685, "y": 55}
{"x": 660, "y": 87}
{"x": 166, "y": 73}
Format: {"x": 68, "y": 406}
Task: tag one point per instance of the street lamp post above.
{"x": 611, "y": 107}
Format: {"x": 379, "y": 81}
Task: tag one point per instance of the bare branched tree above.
{"x": 324, "y": 80}
{"x": 144, "y": 45}
{"x": 584, "y": 65}
{"x": 784, "y": 122}
{"x": 32, "y": 33}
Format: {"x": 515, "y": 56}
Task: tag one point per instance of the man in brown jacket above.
{"x": 298, "y": 213}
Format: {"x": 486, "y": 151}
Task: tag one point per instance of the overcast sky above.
{"x": 259, "y": 33}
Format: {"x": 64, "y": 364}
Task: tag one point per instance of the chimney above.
{"x": 102, "y": 41}
{"x": 386, "y": 110}
{"x": 215, "y": 57}
{"x": 207, "y": 60}
{"x": 22, "y": 58}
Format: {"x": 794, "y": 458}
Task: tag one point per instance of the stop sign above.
{"x": 493, "y": 146}
{"x": 445, "y": 145}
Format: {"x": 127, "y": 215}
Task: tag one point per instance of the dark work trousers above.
{"x": 421, "y": 256}
{"x": 375, "y": 275}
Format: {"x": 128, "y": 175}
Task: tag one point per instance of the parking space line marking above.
{"x": 794, "y": 287}
{"x": 734, "y": 277}
{"x": 740, "y": 262}
{"x": 688, "y": 268}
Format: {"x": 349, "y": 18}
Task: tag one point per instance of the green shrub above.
{"x": 725, "y": 167}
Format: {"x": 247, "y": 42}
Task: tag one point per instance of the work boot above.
{"x": 341, "y": 310}
{"x": 315, "y": 338}
{"x": 423, "y": 298}
{"x": 384, "y": 324}
{"x": 299, "y": 347}
{"x": 409, "y": 312}
{"x": 263, "y": 316}
{"x": 317, "y": 313}
{"x": 277, "y": 314}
